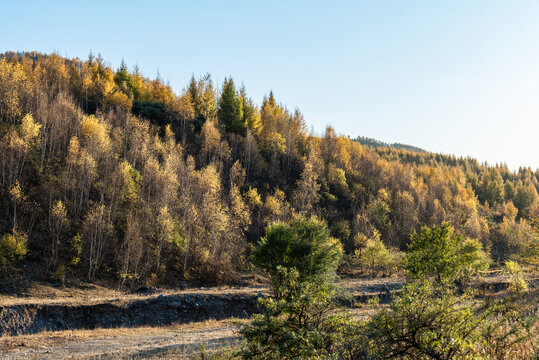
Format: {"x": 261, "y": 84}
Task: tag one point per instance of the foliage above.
{"x": 428, "y": 321}
{"x": 13, "y": 246}
{"x": 425, "y": 322}
{"x": 296, "y": 325}
{"x": 514, "y": 272}
{"x": 437, "y": 252}
{"x": 114, "y": 148}
{"x": 230, "y": 111}
{"x": 303, "y": 244}
{"x": 377, "y": 257}
{"x": 299, "y": 322}
{"x": 75, "y": 249}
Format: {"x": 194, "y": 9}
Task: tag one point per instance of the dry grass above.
{"x": 44, "y": 294}
{"x": 178, "y": 354}
{"x": 37, "y": 292}
{"x": 48, "y": 339}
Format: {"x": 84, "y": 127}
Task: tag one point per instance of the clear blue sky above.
{"x": 458, "y": 77}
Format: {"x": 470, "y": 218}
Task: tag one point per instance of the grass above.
{"x": 43, "y": 293}
{"x": 49, "y": 339}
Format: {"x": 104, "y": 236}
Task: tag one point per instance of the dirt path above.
{"x": 140, "y": 343}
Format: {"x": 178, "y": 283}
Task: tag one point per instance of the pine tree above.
{"x": 230, "y": 110}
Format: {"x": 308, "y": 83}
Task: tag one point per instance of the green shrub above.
{"x": 437, "y": 252}
{"x": 430, "y": 321}
{"x": 303, "y": 244}
{"x": 377, "y": 257}
{"x": 515, "y": 274}
{"x": 425, "y": 323}
{"x": 301, "y": 324}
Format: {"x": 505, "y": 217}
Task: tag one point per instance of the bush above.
{"x": 12, "y": 247}
{"x": 437, "y": 252}
{"x": 304, "y": 245}
{"x": 297, "y": 325}
{"x": 377, "y": 257}
{"x": 424, "y": 322}
{"x": 515, "y": 274}
{"x": 429, "y": 321}
{"x": 472, "y": 258}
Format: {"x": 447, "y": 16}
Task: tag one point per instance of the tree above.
{"x": 203, "y": 99}
{"x": 493, "y": 187}
{"x": 251, "y": 156}
{"x": 237, "y": 175}
{"x": 97, "y": 231}
{"x": 16, "y": 147}
{"x": 307, "y": 190}
{"x": 230, "y": 110}
{"x": 186, "y": 113}
{"x": 251, "y": 115}
{"x": 13, "y": 246}
{"x": 13, "y": 87}
{"x": 376, "y": 256}
{"x": 298, "y": 323}
{"x": 302, "y": 324}
{"x": 439, "y": 253}
{"x": 57, "y": 223}
{"x": 131, "y": 251}
{"x": 525, "y": 196}
{"x": 379, "y": 211}
{"x": 166, "y": 227}
{"x": 80, "y": 172}
{"x": 272, "y": 141}
{"x": 213, "y": 149}
{"x": 124, "y": 81}
{"x": 304, "y": 244}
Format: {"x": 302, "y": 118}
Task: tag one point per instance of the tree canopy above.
{"x": 116, "y": 149}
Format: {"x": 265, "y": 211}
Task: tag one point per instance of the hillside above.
{"x": 108, "y": 175}
{"x": 373, "y": 143}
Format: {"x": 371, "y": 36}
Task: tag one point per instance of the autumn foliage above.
{"x": 112, "y": 175}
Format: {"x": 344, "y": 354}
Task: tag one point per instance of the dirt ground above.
{"x": 121, "y": 343}
{"x": 153, "y": 341}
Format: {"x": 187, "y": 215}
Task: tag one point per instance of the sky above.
{"x": 456, "y": 77}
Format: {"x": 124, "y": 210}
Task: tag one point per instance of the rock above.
{"x": 154, "y": 311}
{"x": 144, "y": 290}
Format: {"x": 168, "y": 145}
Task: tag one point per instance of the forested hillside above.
{"x": 107, "y": 174}
{"x": 377, "y": 143}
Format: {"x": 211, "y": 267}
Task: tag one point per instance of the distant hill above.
{"x": 377, "y": 143}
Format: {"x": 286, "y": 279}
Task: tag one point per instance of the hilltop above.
{"x": 373, "y": 143}
{"x": 107, "y": 175}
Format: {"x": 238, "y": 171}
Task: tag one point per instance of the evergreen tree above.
{"x": 230, "y": 110}
{"x": 124, "y": 80}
